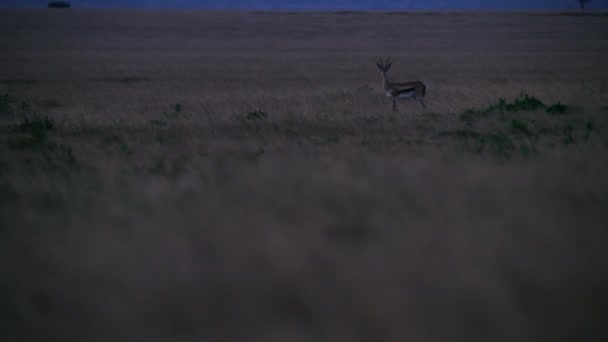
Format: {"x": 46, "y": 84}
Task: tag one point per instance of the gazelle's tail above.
{"x": 423, "y": 89}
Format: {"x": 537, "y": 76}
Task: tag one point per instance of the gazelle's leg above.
{"x": 394, "y": 104}
{"x": 420, "y": 101}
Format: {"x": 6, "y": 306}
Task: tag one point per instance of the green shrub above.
{"x": 6, "y": 104}
{"x": 568, "y": 134}
{"x": 520, "y": 127}
{"x": 253, "y": 116}
{"x": 524, "y": 102}
{"x": 36, "y": 131}
{"x": 468, "y": 115}
{"x": 175, "y": 113}
{"x": 589, "y": 127}
{"x": 557, "y": 108}
{"x": 256, "y": 115}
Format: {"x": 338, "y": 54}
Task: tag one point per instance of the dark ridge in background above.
{"x": 318, "y": 4}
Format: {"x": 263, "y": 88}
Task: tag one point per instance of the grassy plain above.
{"x": 238, "y": 176}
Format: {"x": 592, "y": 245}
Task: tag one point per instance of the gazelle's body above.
{"x": 402, "y": 90}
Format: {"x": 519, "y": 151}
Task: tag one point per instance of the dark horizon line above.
{"x": 349, "y": 9}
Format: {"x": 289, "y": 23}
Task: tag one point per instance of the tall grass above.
{"x": 239, "y": 176}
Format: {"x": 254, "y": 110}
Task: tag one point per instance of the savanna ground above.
{"x": 239, "y": 176}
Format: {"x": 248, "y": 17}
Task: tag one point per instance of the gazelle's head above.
{"x": 384, "y": 66}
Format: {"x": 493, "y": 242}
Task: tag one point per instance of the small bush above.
{"x": 589, "y": 127}
{"x": 468, "y": 115}
{"x": 37, "y": 127}
{"x": 6, "y": 104}
{"x": 568, "y": 135}
{"x": 256, "y": 115}
{"x": 253, "y": 116}
{"x": 520, "y": 127}
{"x": 557, "y": 108}
{"x": 175, "y": 113}
{"x": 36, "y": 131}
{"x": 524, "y": 102}
{"x": 461, "y": 133}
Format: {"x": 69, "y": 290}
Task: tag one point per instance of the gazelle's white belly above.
{"x": 406, "y": 95}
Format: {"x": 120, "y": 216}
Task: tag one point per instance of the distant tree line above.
{"x": 313, "y": 4}
{"x": 59, "y": 4}
{"x": 582, "y": 2}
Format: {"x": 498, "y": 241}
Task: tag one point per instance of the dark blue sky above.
{"x": 321, "y": 4}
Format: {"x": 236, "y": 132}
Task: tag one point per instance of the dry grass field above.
{"x": 239, "y": 176}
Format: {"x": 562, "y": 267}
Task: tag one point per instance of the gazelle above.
{"x": 405, "y": 90}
